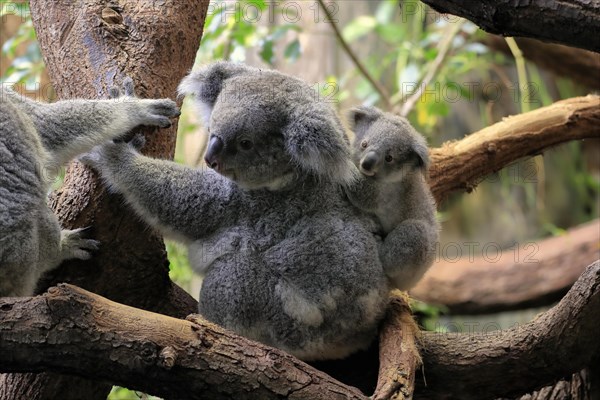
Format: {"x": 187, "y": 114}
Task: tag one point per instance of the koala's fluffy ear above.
{"x": 422, "y": 152}
{"x": 315, "y": 139}
{"x": 361, "y": 118}
{"x": 207, "y": 83}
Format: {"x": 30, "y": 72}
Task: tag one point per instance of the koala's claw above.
{"x": 165, "y": 107}
{"x": 159, "y": 112}
{"x": 129, "y": 87}
{"x": 74, "y": 246}
{"x": 114, "y": 93}
{"x": 163, "y": 122}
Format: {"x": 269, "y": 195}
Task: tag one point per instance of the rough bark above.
{"x": 577, "y": 387}
{"x": 574, "y": 23}
{"x": 73, "y": 331}
{"x": 88, "y": 47}
{"x": 509, "y": 363}
{"x": 398, "y": 353}
{"x": 462, "y": 164}
{"x": 530, "y": 275}
{"x": 582, "y": 66}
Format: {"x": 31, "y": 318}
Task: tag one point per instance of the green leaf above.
{"x": 259, "y": 4}
{"x": 293, "y": 51}
{"x": 391, "y": 33}
{"x": 267, "y": 53}
{"x": 358, "y": 28}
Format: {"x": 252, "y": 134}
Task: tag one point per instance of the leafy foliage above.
{"x": 231, "y": 28}
{"x": 22, "y": 49}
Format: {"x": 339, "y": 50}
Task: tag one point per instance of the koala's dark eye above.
{"x": 246, "y": 144}
{"x": 364, "y": 144}
{"x": 389, "y": 158}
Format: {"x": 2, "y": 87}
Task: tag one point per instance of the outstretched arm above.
{"x": 71, "y": 127}
{"x": 181, "y": 202}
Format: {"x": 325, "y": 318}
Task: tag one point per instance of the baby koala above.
{"x": 393, "y": 160}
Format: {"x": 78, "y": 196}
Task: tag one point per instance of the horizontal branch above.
{"x": 508, "y": 363}
{"x": 462, "y": 164}
{"x": 530, "y": 275}
{"x": 574, "y": 23}
{"x": 70, "y": 330}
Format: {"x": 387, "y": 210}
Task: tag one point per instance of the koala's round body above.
{"x": 287, "y": 259}
{"x": 297, "y": 270}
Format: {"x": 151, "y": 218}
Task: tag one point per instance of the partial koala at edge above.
{"x": 36, "y": 139}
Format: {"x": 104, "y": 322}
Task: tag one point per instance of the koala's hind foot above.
{"x": 74, "y": 244}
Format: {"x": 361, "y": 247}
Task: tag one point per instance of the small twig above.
{"x": 434, "y": 67}
{"x": 523, "y": 89}
{"x": 521, "y": 72}
{"x": 383, "y": 93}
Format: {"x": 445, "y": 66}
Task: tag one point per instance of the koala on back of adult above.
{"x": 393, "y": 159}
{"x": 287, "y": 260}
{"x": 36, "y": 139}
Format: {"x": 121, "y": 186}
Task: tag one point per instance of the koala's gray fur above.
{"x": 287, "y": 260}
{"x": 35, "y": 141}
{"x": 393, "y": 159}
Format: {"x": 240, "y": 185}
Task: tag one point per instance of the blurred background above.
{"x": 447, "y": 76}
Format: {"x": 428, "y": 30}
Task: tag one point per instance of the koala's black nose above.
{"x": 215, "y": 147}
{"x": 369, "y": 162}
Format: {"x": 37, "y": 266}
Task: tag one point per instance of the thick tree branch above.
{"x": 582, "y": 66}
{"x": 507, "y": 363}
{"x": 574, "y": 23}
{"x": 462, "y": 164}
{"x": 529, "y": 275}
{"x": 575, "y": 387}
{"x": 74, "y": 331}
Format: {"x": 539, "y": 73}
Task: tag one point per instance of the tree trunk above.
{"x": 89, "y": 47}
{"x": 574, "y": 23}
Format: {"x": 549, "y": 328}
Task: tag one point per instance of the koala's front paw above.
{"x": 74, "y": 244}
{"x": 150, "y": 112}
{"x": 158, "y": 112}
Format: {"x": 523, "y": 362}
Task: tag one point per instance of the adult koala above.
{"x": 287, "y": 260}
